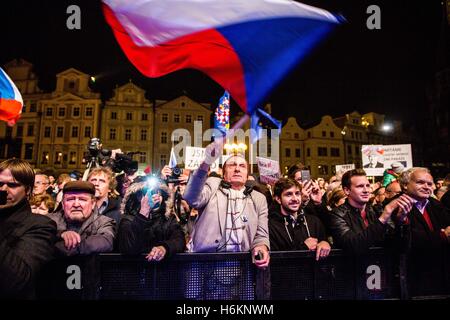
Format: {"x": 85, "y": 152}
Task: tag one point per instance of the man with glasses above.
{"x": 41, "y": 183}
{"x": 26, "y": 240}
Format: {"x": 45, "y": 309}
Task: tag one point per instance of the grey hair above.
{"x": 405, "y": 176}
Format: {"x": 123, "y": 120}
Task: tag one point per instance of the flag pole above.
{"x": 250, "y": 150}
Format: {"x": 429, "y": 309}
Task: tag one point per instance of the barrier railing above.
{"x": 225, "y": 276}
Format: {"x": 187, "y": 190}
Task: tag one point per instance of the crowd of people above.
{"x": 232, "y": 211}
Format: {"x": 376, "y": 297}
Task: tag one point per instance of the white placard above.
{"x": 343, "y": 168}
{"x": 269, "y": 170}
{"x": 194, "y": 156}
{"x": 377, "y": 158}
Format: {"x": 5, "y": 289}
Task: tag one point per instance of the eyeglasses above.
{"x": 11, "y": 185}
{"x": 41, "y": 183}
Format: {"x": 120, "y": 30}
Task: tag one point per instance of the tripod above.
{"x": 93, "y": 163}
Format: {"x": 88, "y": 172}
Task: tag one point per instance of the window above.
{"x": 356, "y": 150}
{"x": 335, "y": 152}
{"x": 76, "y": 111}
{"x": 59, "y": 131}
{"x": 308, "y": 152}
{"x": 324, "y": 133}
{"x": 322, "y": 151}
{"x": 87, "y": 132}
{"x": 349, "y": 149}
{"x": 176, "y": 118}
{"x": 112, "y": 134}
{"x": 19, "y": 131}
{"x": 163, "y": 137}
{"x": 45, "y": 157}
{"x": 129, "y": 116}
{"x": 331, "y": 134}
{"x": 144, "y": 117}
{"x": 24, "y": 108}
{"x": 309, "y": 134}
{"x": 296, "y": 136}
{"x": 74, "y": 132}
{"x": 200, "y": 118}
{"x": 58, "y": 157}
{"x": 323, "y": 169}
{"x": 143, "y": 157}
{"x": 175, "y": 137}
{"x": 62, "y": 112}
{"x": 287, "y": 152}
{"x": 33, "y": 106}
{"x": 73, "y": 157}
{"x": 297, "y": 152}
{"x": 89, "y": 111}
{"x": 165, "y": 117}
{"x": 128, "y": 134}
{"x": 30, "y": 130}
{"x": 143, "y": 135}
{"x": 72, "y": 85}
{"x": 353, "y": 135}
{"x": 163, "y": 160}
{"x": 28, "y": 151}
{"x": 188, "y": 118}
{"x": 114, "y": 115}
{"x": 8, "y": 132}
{"x": 49, "y": 112}
{"x": 47, "y": 132}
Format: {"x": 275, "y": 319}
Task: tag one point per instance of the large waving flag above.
{"x": 10, "y": 100}
{"x": 246, "y": 46}
{"x": 222, "y": 114}
{"x": 260, "y": 116}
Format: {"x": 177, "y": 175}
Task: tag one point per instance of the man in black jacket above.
{"x": 151, "y": 226}
{"x": 355, "y": 226}
{"x": 289, "y": 227}
{"x": 429, "y": 223}
{"x": 26, "y": 240}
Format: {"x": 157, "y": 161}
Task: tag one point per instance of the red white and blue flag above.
{"x": 222, "y": 114}
{"x": 11, "y": 102}
{"x": 246, "y": 46}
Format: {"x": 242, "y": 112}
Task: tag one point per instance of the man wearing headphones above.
{"x": 231, "y": 217}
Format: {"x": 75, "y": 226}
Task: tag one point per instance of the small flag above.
{"x": 222, "y": 114}
{"x": 173, "y": 159}
{"x": 11, "y": 101}
{"x": 262, "y": 116}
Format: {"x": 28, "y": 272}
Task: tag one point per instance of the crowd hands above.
{"x": 125, "y": 213}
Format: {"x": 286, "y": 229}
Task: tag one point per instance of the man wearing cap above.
{"x": 81, "y": 229}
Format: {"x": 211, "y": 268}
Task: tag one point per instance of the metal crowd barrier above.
{"x": 293, "y": 275}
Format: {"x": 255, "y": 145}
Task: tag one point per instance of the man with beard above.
{"x": 289, "y": 227}
{"x": 81, "y": 229}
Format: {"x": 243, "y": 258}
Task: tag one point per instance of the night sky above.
{"x": 354, "y": 68}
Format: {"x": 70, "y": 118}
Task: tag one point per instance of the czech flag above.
{"x": 10, "y": 100}
{"x": 246, "y": 46}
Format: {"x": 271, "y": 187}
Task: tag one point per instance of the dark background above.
{"x": 354, "y": 68}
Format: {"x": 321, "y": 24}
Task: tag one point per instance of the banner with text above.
{"x": 343, "y": 168}
{"x": 269, "y": 170}
{"x": 377, "y": 158}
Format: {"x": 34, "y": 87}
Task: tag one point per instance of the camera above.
{"x": 176, "y": 173}
{"x": 95, "y": 151}
{"x": 125, "y": 163}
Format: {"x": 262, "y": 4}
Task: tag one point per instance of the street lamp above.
{"x": 386, "y": 127}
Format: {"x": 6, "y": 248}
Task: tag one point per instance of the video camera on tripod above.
{"x": 97, "y": 156}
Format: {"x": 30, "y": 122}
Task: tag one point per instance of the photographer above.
{"x": 148, "y": 224}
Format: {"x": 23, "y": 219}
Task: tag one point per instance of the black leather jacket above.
{"x": 349, "y": 232}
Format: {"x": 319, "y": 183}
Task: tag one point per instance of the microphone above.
{"x": 249, "y": 186}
